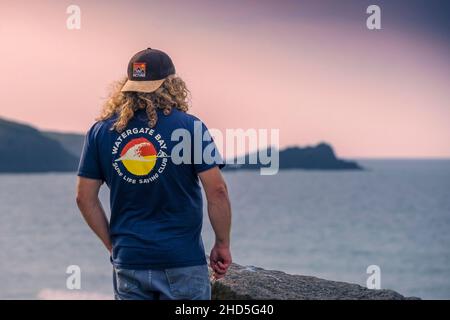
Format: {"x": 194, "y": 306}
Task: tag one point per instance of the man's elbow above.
{"x": 218, "y": 193}
{"x": 81, "y": 200}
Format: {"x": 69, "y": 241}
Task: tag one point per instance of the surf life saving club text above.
{"x": 141, "y": 158}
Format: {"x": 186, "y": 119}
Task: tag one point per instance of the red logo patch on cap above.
{"x": 139, "y": 69}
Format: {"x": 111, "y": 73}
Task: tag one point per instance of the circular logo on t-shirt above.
{"x": 138, "y": 156}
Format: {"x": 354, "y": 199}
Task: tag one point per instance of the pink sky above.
{"x": 368, "y": 93}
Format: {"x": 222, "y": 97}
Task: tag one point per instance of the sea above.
{"x": 395, "y": 215}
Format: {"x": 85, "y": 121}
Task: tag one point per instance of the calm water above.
{"x": 327, "y": 224}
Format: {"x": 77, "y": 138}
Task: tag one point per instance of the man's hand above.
{"x": 220, "y": 260}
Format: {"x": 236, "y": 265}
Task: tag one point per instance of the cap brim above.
{"x": 142, "y": 86}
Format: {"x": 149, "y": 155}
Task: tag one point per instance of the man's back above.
{"x": 156, "y": 205}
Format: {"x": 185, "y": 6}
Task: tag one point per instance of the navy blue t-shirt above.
{"x": 156, "y": 201}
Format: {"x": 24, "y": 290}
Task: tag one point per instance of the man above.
{"x": 154, "y": 232}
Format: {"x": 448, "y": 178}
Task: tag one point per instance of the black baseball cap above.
{"x": 147, "y": 70}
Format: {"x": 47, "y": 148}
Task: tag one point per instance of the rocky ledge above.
{"x": 253, "y": 283}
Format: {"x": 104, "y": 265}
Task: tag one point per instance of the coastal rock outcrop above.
{"x": 318, "y": 157}
{"x": 253, "y": 283}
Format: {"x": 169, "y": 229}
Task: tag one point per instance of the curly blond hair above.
{"x": 173, "y": 93}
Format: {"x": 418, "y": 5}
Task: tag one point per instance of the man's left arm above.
{"x": 92, "y": 210}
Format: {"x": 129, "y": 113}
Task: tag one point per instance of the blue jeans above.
{"x": 187, "y": 283}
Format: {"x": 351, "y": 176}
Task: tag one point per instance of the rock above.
{"x": 319, "y": 157}
{"x": 253, "y": 283}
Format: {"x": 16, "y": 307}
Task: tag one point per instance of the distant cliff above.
{"x": 25, "y": 149}
{"x": 320, "y": 157}
{"x": 71, "y": 142}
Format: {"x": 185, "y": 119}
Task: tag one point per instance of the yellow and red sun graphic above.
{"x": 138, "y": 156}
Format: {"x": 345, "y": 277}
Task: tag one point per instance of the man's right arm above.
{"x": 219, "y": 211}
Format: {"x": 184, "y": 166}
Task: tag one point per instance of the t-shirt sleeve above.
{"x": 206, "y": 154}
{"x": 89, "y": 166}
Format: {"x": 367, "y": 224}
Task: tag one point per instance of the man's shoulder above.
{"x": 182, "y": 115}
{"x": 182, "y": 119}
{"x": 99, "y": 127}
{"x": 188, "y": 118}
